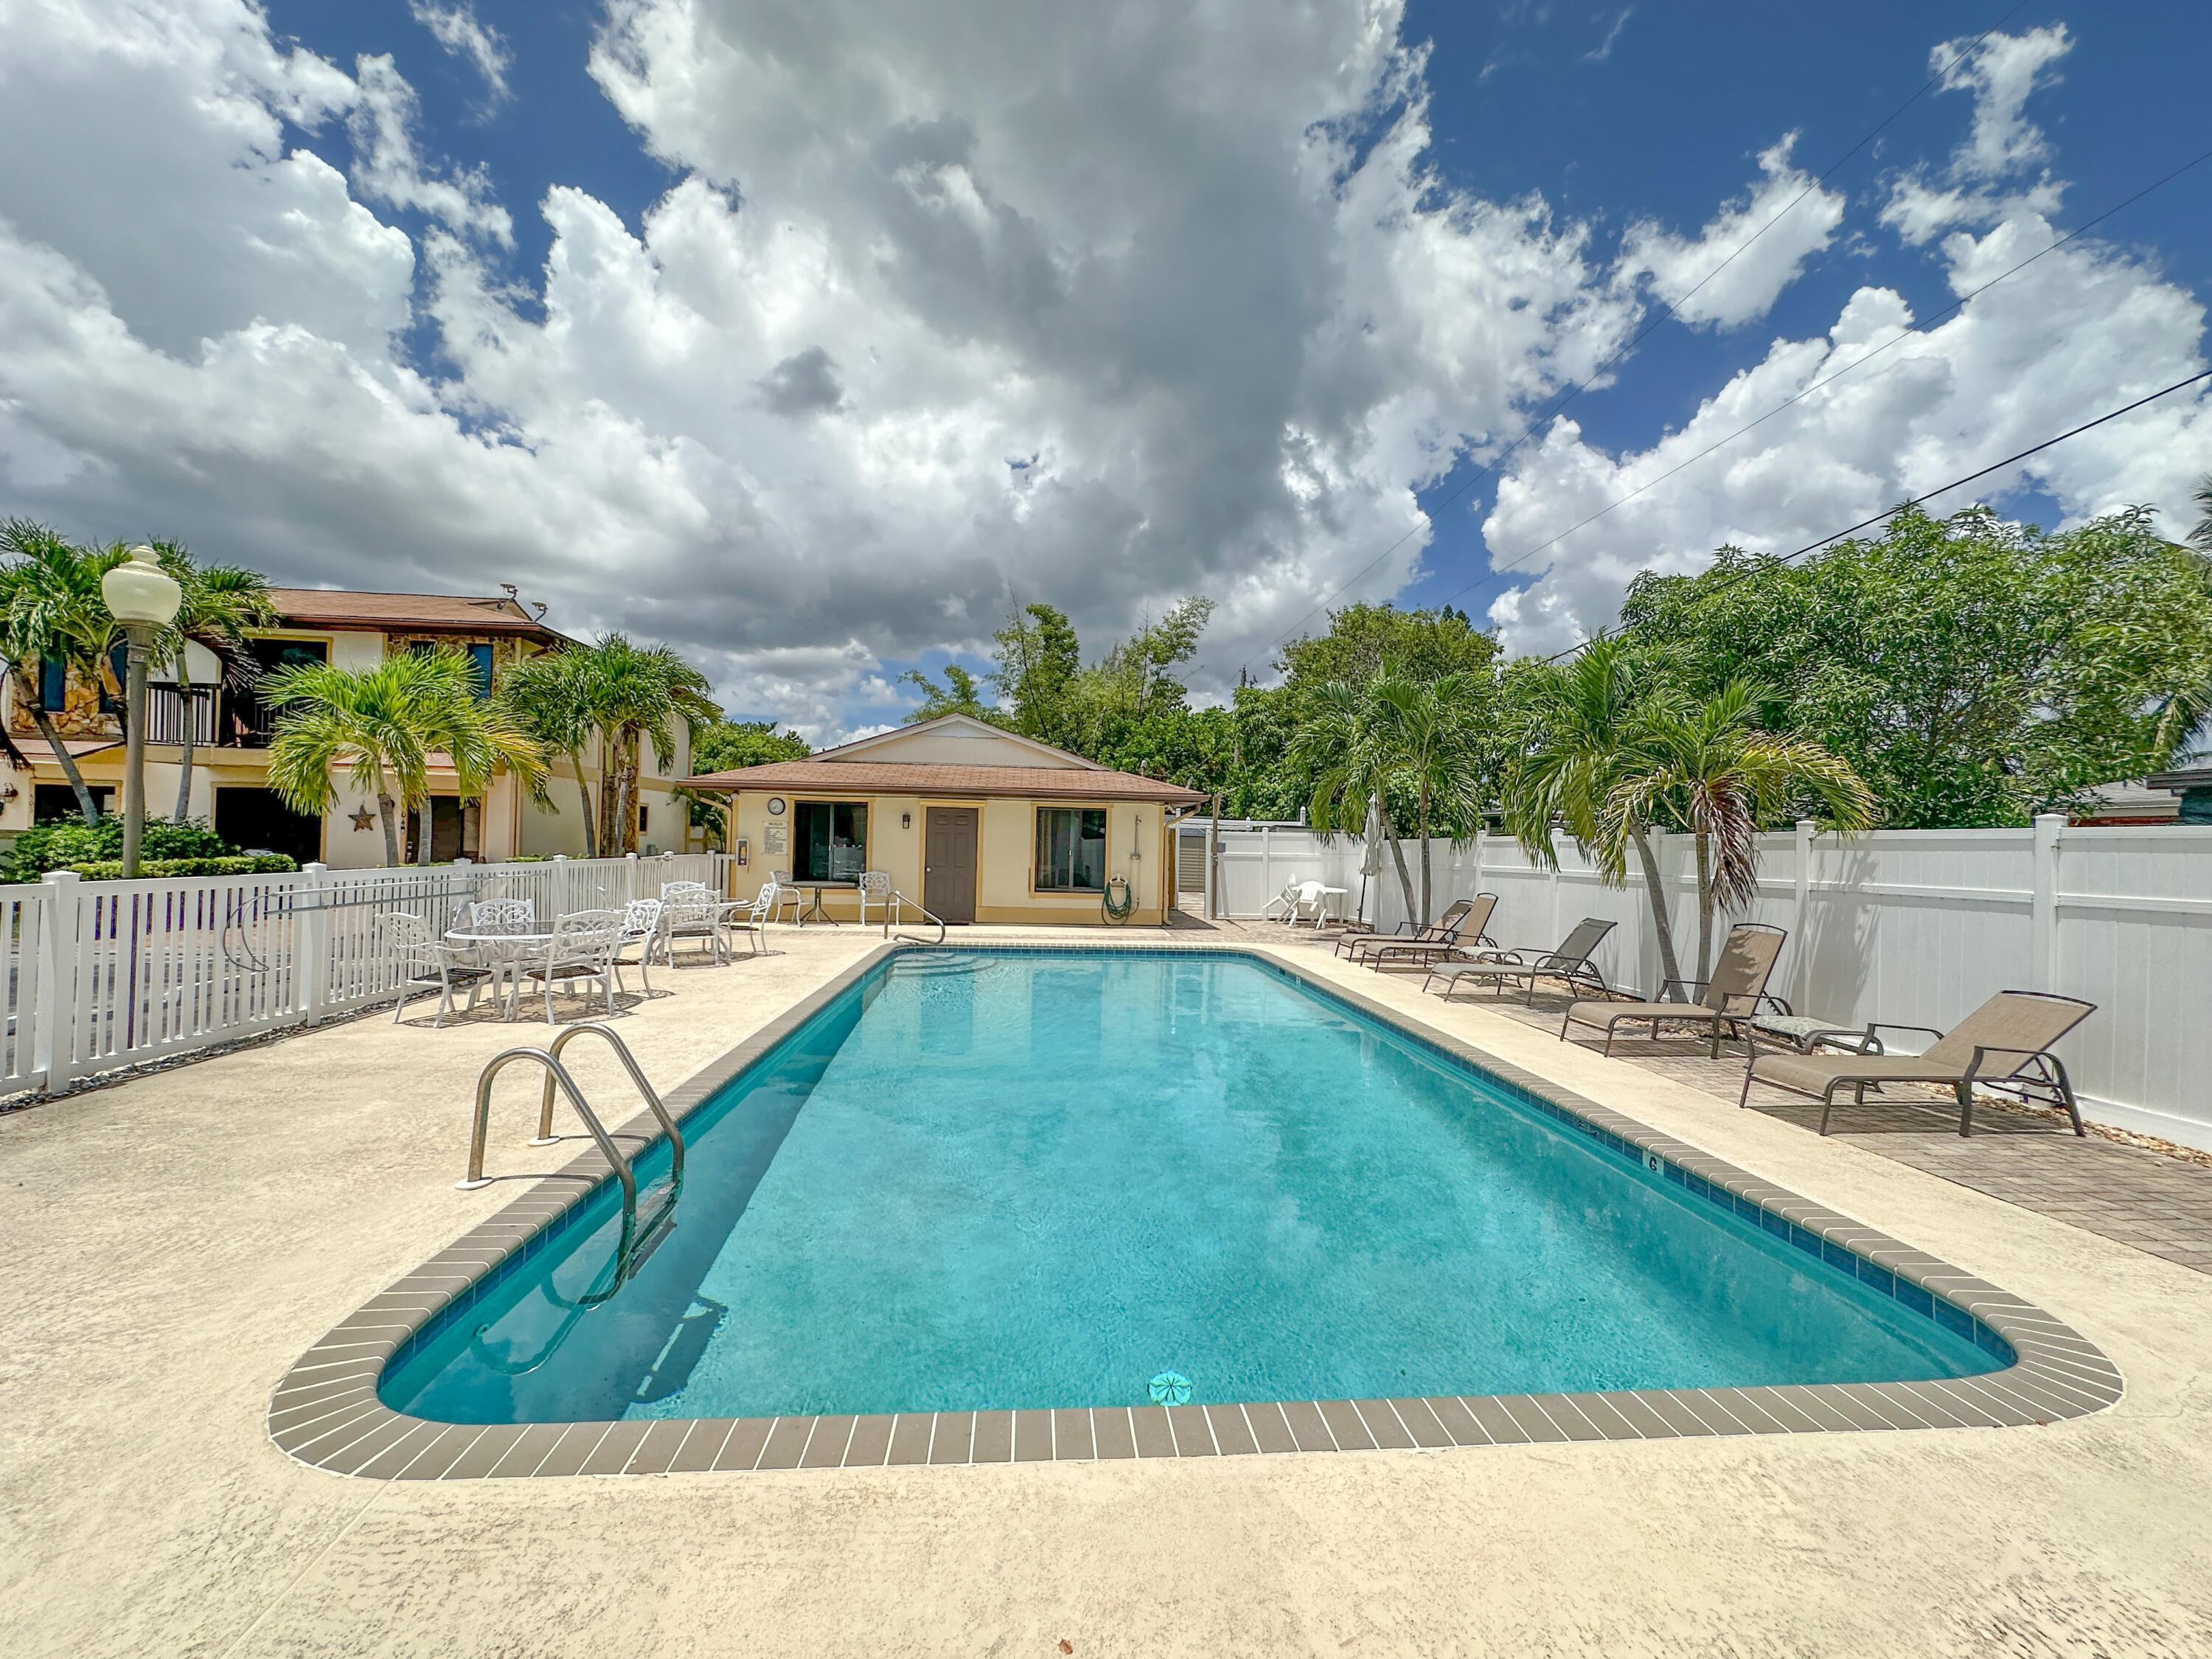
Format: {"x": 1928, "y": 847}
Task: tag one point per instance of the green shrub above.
{"x": 65, "y": 843}
{"x": 239, "y": 864}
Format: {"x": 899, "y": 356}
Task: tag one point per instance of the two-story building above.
{"x": 231, "y": 729}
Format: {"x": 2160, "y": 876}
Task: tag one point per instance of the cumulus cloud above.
{"x": 1733, "y": 271}
{"x": 388, "y": 169}
{"x": 457, "y": 29}
{"x": 1884, "y": 412}
{"x": 2001, "y": 72}
{"x": 952, "y": 306}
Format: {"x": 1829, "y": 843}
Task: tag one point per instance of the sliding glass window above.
{"x": 1071, "y": 843}
{"x": 830, "y": 840}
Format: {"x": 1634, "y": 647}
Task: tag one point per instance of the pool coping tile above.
{"x": 326, "y": 1412}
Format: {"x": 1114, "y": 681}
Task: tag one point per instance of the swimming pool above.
{"x": 1016, "y": 1180}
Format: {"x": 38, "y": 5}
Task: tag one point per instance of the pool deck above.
{"x": 180, "y": 1239}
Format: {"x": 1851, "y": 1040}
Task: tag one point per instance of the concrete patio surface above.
{"x": 177, "y": 1240}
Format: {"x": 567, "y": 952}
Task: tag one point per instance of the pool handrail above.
{"x": 636, "y": 1242}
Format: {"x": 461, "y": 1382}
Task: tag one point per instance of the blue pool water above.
{"x": 1029, "y": 1179}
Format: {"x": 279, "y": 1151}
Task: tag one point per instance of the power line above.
{"x": 1916, "y": 501}
{"x": 1666, "y": 310}
{"x": 1496, "y": 571}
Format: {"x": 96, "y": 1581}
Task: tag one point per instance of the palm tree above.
{"x": 1395, "y": 735}
{"x": 1711, "y": 770}
{"x": 637, "y": 692}
{"x": 221, "y": 603}
{"x": 550, "y": 696}
{"x": 379, "y": 725}
{"x": 1342, "y": 742}
{"x": 50, "y": 607}
{"x": 2201, "y": 537}
{"x": 1608, "y": 761}
{"x": 1582, "y": 725}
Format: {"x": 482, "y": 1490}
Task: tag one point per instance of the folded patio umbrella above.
{"x": 1371, "y": 858}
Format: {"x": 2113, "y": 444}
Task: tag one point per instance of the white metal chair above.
{"x": 694, "y": 914}
{"x": 779, "y": 886}
{"x": 502, "y": 916}
{"x": 642, "y": 928}
{"x": 430, "y": 962}
{"x": 583, "y": 947}
{"x": 750, "y": 919}
{"x": 877, "y": 884}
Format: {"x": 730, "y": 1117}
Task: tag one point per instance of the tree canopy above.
{"x": 1973, "y": 672}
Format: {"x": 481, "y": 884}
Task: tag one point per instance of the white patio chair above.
{"x": 429, "y": 962}
{"x": 641, "y": 927}
{"x": 583, "y": 947}
{"x": 877, "y": 884}
{"x": 754, "y": 922}
{"x": 1300, "y": 901}
{"x": 696, "y": 914}
{"x": 503, "y": 915}
{"x": 778, "y": 885}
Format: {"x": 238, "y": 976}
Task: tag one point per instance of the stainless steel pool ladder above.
{"x": 902, "y": 900}
{"x": 637, "y": 1241}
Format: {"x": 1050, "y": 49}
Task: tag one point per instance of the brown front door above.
{"x": 948, "y": 863}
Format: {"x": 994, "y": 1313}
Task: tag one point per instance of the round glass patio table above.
{"x": 506, "y": 955}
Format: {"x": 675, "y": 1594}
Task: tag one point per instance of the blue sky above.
{"x": 742, "y": 327}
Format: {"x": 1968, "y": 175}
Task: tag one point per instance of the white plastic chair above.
{"x": 1302, "y": 901}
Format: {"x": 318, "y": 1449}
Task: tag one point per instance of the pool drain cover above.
{"x": 1171, "y": 1389}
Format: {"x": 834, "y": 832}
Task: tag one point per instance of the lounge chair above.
{"x": 1356, "y": 942}
{"x": 1460, "y": 929}
{"x": 1737, "y": 991}
{"x": 2005, "y": 1043}
{"x": 1570, "y": 962}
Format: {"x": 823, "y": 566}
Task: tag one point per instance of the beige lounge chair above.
{"x": 1354, "y": 946}
{"x": 1570, "y": 962}
{"x": 1737, "y": 991}
{"x": 1461, "y": 929}
{"x": 2005, "y": 1043}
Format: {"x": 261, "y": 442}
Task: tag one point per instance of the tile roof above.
{"x": 913, "y": 778}
{"x": 428, "y": 613}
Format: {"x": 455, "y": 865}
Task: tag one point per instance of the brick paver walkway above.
{"x": 2158, "y": 1201}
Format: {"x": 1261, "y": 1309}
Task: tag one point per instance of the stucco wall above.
{"x": 1005, "y": 853}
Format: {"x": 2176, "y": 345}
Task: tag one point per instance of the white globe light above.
{"x": 139, "y": 590}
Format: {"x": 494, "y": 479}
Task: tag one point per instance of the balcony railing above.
{"x": 166, "y": 713}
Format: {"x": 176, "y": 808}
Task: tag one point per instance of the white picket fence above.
{"x": 109, "y": 973}
{"x": 1912, "y": 926}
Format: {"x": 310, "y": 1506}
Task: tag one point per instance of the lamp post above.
{"x": 143, "y": 598}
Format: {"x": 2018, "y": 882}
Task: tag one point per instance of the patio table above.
{"x": 814, "y": 890}
{"x": 506, "y": 955}
{"x": 1321, "y": 910}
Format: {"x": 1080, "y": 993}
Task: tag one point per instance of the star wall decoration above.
{"x": 364, "y": 819}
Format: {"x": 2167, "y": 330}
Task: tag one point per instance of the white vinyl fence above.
{"x": 1916, "y": 927}
{"x": 114, "y": 973}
